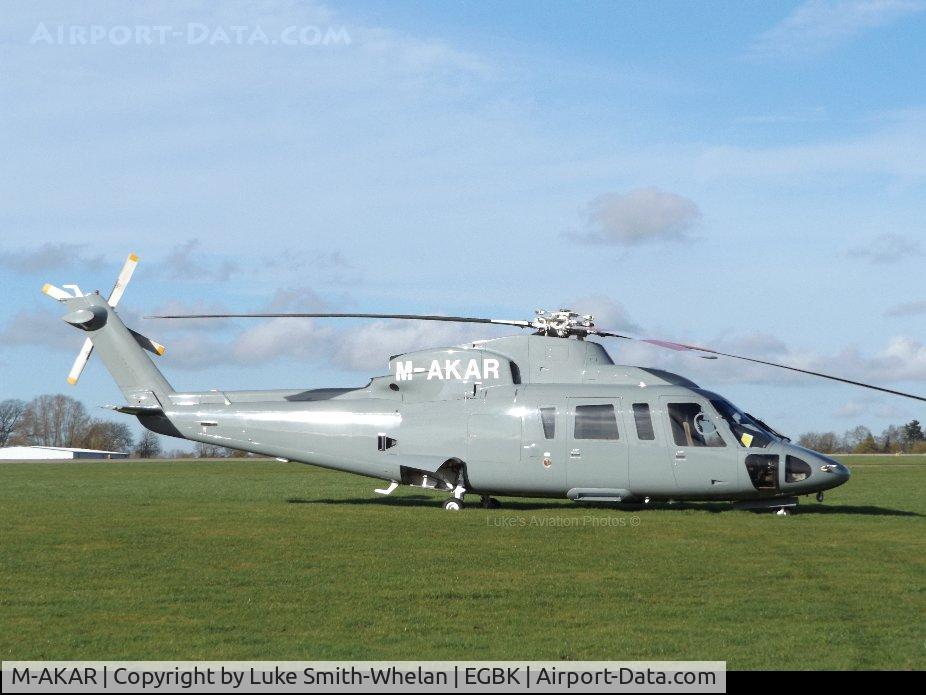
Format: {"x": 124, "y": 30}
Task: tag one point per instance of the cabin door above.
{"x": 705, "y": 463}
{"x": 596, "y": 446}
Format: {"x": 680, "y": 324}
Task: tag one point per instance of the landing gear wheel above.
{"x": 453, "y": 505}
{"x": 490, "y": 502}
{"x": 783, "y": 511}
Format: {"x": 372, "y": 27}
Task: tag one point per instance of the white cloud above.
{"x": 609, "y": 314}
{"x": 851, "y": 410}
{"x": 49, "y": 256}
{"x": 820, "y": 25}
{"x": 190, "y": 263}
{"x": 888, "y": 248}
{"x": 283, "y": 337}
{"x": 39, "y": 327}
{"x": 901, "y": 359}
{"x": 369, "y": 346}
{"x": 915, "y": 308}
{"x": 639, "y": 216}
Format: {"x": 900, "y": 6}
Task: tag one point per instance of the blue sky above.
{"x": 748, "y": 176}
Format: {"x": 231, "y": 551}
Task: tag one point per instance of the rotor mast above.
{"x": 563, "y": 323}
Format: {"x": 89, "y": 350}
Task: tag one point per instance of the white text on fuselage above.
{"x": 445, "y": 370}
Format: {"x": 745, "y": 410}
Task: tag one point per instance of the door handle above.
{"x": 679, "y": 455}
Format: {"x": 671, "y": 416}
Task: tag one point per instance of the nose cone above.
{"x": 830, "y": 472}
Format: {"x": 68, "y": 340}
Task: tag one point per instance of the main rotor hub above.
{"x": 562, "y": 323}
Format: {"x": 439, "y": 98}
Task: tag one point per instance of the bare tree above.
{"x": 854, "y": 437}
{"x": 891, "y": 440}
{"x": 107, "y": 436}
{"x": 210, "y": 451}
{"x": 824, "y": 442}
{"x": 149, "y": 446}
{"x": 866, "y": 446}
{"x": 11, "y": 413}
{"x": 54, "y": 420}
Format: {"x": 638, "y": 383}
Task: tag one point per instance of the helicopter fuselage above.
{"x": 519, "y": 416}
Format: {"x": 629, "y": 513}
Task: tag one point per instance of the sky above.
{"x": 746, "y": 176}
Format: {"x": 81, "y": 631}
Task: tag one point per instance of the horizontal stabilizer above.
{"x": 136, "y": 409}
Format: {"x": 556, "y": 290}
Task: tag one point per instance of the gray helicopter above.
{"x": 543, "y": 414}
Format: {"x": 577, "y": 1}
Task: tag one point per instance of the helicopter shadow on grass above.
{"x": 862, "y": 510}
{"x": 512, "y": 505}
{"x": 431, "y": 502}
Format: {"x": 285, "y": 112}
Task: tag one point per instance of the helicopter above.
{"x": 546, "y": 413}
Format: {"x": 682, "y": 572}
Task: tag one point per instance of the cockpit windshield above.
{"x": 749, "y": 431}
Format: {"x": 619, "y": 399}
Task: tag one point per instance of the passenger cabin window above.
{"x": 548, "y": 418}
{"x": 596, "y": 422}
{"x": 691, "y": 426}
{"x": 644, "y": 421}
{"x": 796, "y": 469}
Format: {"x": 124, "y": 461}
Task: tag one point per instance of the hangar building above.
{"x": 50, "y": 453}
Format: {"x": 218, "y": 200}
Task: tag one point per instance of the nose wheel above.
{"x": 455, "y": 503}
{"x": 783, "y": 511}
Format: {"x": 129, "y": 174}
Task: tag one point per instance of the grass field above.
{"x": 256, "y": 559}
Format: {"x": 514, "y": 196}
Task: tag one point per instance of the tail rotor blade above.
{"x": 125, "y": 275}
{"x": 56, "y": 292}
{"x": 80, "y": 362}
{"x": 147, "y": 343}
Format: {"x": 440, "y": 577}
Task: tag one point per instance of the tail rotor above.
{"x": 122, "y": 281}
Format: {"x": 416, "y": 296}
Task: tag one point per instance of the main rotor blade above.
{"x": 712, "y": 355}
{"x": 405, "y": 317}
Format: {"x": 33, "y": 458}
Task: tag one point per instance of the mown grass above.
{"x": 264, "y": 560}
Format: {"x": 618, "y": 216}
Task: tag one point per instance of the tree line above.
{"x": 895, "y": 439}
{"x": 59, "y": 420}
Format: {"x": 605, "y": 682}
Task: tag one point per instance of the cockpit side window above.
{"x": 749, "y": 433}
{"x": 691, "y": 426}
{"x": 548, "y": 419}
{"x": 796, "y": 469}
